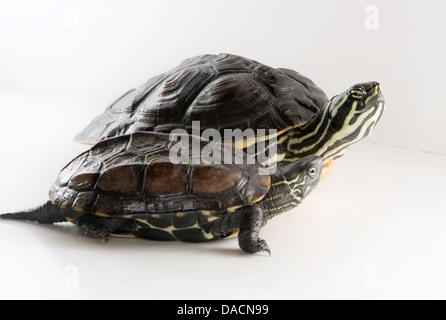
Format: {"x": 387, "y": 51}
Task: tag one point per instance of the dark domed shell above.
{"x": 132, "y": 174}
{"x": 221, "y": 91}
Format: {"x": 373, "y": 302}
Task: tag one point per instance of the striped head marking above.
{"x": 302, "y": 176}
{"x": 359, "y": 99}
{"x": 352, "y": 116}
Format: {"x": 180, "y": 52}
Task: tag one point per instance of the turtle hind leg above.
{"x": 47, "y": 213}
{"x": 102, "y": 227}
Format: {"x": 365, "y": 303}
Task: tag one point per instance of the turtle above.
{"x": 227, "y": 91}
{"x": 153, "y": 186}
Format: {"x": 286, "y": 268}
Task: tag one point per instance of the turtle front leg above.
{"x": 250, "y": 225}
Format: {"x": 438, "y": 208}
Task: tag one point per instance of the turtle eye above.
{"x": 312, "y": 171}
{"x": 357, "y": 93}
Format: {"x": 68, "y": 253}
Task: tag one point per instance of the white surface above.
{"x": 375, "y": 228}
{"x": 99, "y": 49}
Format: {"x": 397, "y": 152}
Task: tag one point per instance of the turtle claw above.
{"x": 95, "y": 233}
{"x": 263, "y": 246}
{"x": 106, "y": 238}
{"x": 256, "y": 246}
{"x": 99, "y": 227}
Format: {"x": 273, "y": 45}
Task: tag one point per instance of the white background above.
{"x": 373, "y": 229}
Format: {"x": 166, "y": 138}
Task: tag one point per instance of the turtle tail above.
{"x": 47, "y": 213}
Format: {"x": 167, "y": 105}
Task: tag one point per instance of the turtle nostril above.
{"x": 378, "y": 87}
{"x": 376, "y": 84}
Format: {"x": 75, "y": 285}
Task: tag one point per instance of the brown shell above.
{"x": 132, "y": 174}
{"x": 221, "y": 91}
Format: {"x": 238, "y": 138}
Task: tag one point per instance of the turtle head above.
{"x": 302, "y": 176}
{"x": 351, "y": 116}
{"x": 360, "y": 99}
